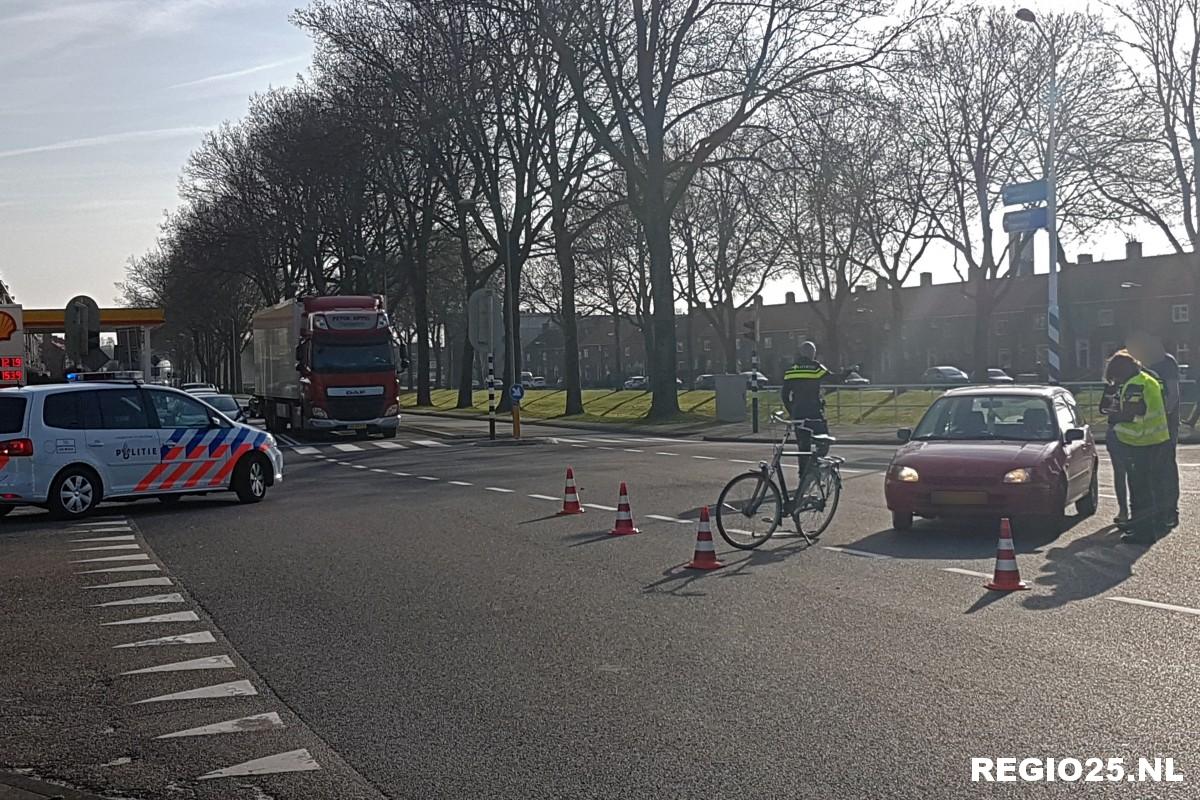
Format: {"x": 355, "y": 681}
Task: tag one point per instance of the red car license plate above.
{"x": 959, "y": 498}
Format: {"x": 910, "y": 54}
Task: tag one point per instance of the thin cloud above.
{"x": 107, "y": 139}
{"x": 228, "y": 76}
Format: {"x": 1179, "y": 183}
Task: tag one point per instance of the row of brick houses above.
{"x": 1101, "y": 302}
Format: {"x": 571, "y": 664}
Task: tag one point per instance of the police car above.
{"x": 66, "y": 447}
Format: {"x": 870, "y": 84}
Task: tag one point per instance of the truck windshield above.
{"x": 352, "y": 357}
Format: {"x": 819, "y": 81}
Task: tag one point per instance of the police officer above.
{"x": 801, "y": 391}
{"x": 1141, "y": 425}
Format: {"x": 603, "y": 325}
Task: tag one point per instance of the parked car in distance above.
{"x": 944, "y": 375}
{"x": 1021, "y": 452}
{"x": 207, "y": 388}
{"x": 995, "y": 375}
{"x": 536, "y": 382}
{"x": 749, "y": 376}
{"x": 227, "y": 404}
{"x": 706, "y": 381}
{"x": 854, "y": 379}
{"x": 636, "y": 382}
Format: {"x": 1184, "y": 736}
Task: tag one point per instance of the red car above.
{"x": 1014, "y": 451}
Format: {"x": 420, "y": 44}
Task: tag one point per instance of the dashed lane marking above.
{"x": 105, "y": 529}
{"x": 131, "y": 557}
{"x": 345, "y": 463}
{"x": 178, "y": 616}
{"x": 230, "y": 689}
{"x": 676, "y": 455}
{"x": 427, "y": 478}
{"x": 1151, "y": 604}
{"x": 106, "y": 547}
{"x": 705, "y": 458}
{"x": 971, "y": 572}
{"x": 307, "y": 451}
{"x": 148, "y": 600}
{"x": 633, "y": 450}
{"x": 602, "y": 447}
{"x": 498, "y": 489}
{"x": 131, "y": 584}
{"x": 402, "y": 474}
{"x": 461, "y": 483}
{"x": 380, "y": 471}
{"x": 291, "y": 761}
{"x": 599, "y": 507}
{"x": 429, "y": 443}
{"x": 131, "y": 568}
{"x": 544, "y": 497}
{"x": 347, "y": 448}
{"x": 669, "y": 519}
{"x": 211, "y": 662}
{"x": 741, "y": 461}
{"x": 387, "y": 444}
{"x": 127, "y": 538}
{"x": 99, "y": 522}
{"x": 199, "y": 637}
{"x": 257, "y": 722}
{"x": 860, "y": 553}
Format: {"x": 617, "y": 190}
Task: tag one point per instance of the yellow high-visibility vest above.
{"x": 1150, "y": 428}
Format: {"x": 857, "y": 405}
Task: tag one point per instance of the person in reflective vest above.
{"x": 1140, "y": 424}
{"x": 801, "y": 391}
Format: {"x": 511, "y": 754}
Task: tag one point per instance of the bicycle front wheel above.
{"x": 749, "y": 510}
{"x": 815, "y": 510}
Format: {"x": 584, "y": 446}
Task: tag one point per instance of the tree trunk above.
{"x": 466, "y": 376}
{"x": 570, "y": 332}
{"x": 981, "y": 338}
{"x": 729, "y": 338}
{"x": 420, "y": 286}
{"x": 898, "y": 340}
{"x": 661, "y": 359}
{"x": 618, "y": 353}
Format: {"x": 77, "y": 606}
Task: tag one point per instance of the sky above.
{"x": 101, "y": 101}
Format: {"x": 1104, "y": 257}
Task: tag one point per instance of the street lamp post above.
{"x": 1053, "y": 326}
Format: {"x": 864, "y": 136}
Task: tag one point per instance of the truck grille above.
{"x": 354, "y": 408}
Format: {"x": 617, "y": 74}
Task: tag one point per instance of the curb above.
{"x": 584, "y": 426}
{"x": 19, "y": 787}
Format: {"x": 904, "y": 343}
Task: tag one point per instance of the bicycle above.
{"x": 751, "y": 505}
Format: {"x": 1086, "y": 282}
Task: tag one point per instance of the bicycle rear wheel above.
{"x": 749, "y": 510}
{"x": 815, "y": 510}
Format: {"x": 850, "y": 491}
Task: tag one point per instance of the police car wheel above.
{"x": 250, "y": 479}
{"x": 74, "y": 493}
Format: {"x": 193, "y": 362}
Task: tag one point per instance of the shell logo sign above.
{"x": 12, "y": 346}
{"x": 8, "y": 326}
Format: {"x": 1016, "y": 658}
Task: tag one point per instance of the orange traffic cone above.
{"x": 704, "y": 557}
{"x": 570, "y": 496}
{"x": 624, "y": 524}
{"x": 1006, "y": 577}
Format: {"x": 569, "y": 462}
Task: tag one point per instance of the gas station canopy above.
{"x": 53, "y": 320}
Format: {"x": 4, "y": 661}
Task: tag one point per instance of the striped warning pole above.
{"x": 492, "y": 396}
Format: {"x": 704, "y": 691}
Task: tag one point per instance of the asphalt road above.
{"x": 425, "y": 626}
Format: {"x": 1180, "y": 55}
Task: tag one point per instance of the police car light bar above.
{"x": 126, "y": 376}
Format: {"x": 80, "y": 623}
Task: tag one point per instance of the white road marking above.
{"x": 741, "y": 461}
{"x": 667, "y": 454}
{"x": 127, "y": 538}
{"x": 498, "y": 489}
{"x": 380, "y": 471}
{"x": 602, "y": 447}
{"x": 106, "y": 529}
{"x": 427, "y": 478}
{"x": 705, "y": 458}
{"x": 389, "y": 445}
{"x": 307, "y": 451}
{"x": 148, "y": 600}
{"x": 230, "y": 689}
{"x": 257, "y": 722}
{"x": 210, "y": 662}
{"x": 599, "y": 507}
{"x": 852, "y": 552}
{"x": 291, "y": 761}
{"x": 971, "y": 572}
{"x": 429, "y": 443}
{"x": 857, "y": 471}
{"x": 100, "y": 522}
{"x": 461, "y": 483}
{"x": 199, "y": 637}
{"x": 132, "y": 568}
{"x": 558, "y": 439}
{"x": 345, "y": 463}
{"x": 178, "y": 616}
{"x": 347, "y": 448}
{"x": 133, "y": 583}
{"x": 402, "y": 474}
{"x": 359, "y": 466}
{"x": 669, "y": 519}
{"x": 606, "y": 441}
{"x": 544, "y": 497}
{"x": 581, "y": 446}
{"x": 633, "y": 450}
{"x": 107, "y": 547}
{"x": 131, "y": 557}
{"x": 1151, "y": 604}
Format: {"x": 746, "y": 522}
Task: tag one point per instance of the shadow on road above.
{"x": 958, "y": 539}
{"x": 1086, "y": 567}
{"x": 589, "y": 537}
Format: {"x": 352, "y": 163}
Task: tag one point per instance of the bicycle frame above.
{"x": 776, "y": 467}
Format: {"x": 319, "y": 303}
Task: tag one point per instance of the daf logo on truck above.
{"x": 328, "y": 364}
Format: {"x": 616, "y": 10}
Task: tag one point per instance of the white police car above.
{"x": 68, "y": 446}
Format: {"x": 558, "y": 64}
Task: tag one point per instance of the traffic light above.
{"x": 751, "y": 327}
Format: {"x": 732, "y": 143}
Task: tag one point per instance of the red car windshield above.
{"x": 982, "y": 417}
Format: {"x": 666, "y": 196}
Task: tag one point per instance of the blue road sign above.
{"x": 516, "y": 392}
{"x": 1016, "y": 194}
{"x": 1031, "y": 219}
